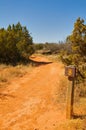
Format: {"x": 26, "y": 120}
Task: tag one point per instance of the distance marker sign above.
{"x": 70, "y": 71}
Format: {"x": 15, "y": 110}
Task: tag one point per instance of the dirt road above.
{"x": 30, "y": 102}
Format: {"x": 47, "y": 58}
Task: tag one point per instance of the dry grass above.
{"x": 53, "y": 58}
{"x": 75, "y": 124}
{"x": 79, "y": 109}
{"x": 79, "y": 117}
{"x": 8, "y": 73}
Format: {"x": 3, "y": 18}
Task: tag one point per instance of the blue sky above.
{"x": 46, "y": 20}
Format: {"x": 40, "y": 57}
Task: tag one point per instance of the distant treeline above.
{"x": 49, "y": 48}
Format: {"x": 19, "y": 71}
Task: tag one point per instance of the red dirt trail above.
{"x": 30, "y": 102}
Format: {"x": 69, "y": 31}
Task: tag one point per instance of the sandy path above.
{"x": 30, "y": 102}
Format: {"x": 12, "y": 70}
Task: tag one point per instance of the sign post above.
{"x": 70, "y": 71}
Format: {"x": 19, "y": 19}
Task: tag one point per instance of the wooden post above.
{"x": 70, "y": 100}
{"x": 70, "y": 71}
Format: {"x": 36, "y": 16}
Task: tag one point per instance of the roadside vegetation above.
{"x": 8, "y": 73}
{"x": 76, "y": 124}
{"x": 16, "y": 44}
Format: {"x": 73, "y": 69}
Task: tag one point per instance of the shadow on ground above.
{"x": 79, "y": 116}
{"x": 38, "y": 63}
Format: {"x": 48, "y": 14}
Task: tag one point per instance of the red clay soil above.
{"x": 30, "y": 102}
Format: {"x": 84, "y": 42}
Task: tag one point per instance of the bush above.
{"x": 16, "y": 44}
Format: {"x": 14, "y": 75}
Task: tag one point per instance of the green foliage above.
{"x": 38, "y": 46}
{"x": 15, "y": 44}
{"x": 77, "y": 42}
{"x": 75, "y": 53}
{"x": 78, "y": 39}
